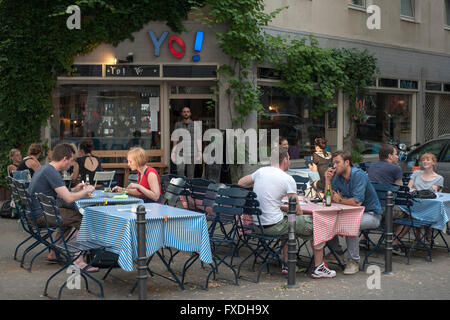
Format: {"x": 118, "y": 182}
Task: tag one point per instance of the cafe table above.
{"x": 165, "y": 227}
{"x": 435, "y": 210}
{"x": 304, "y": 172}
{"x": 337, "y": 219}
{"x": 99, "y": 197}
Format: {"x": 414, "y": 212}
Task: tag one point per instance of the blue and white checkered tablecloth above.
{"x": 433, "y": 210}
{"x": 166, "y": 227}
{"x": 99, "y": 198}
{"x": 304, "y": 172}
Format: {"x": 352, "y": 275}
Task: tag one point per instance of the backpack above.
{"x": 424, "y": 194}
{"x": 8, "y": 210}
{"x": 106, "y": 260}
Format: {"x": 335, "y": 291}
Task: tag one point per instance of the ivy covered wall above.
{"x": 36, "y": 45}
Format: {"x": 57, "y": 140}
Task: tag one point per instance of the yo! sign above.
{"x": 175, "y": 50}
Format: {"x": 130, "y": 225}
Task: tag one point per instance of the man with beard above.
{"x": 351, "y": 186}
{"x": 187, "y": 167}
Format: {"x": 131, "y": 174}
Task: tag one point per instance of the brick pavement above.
{"x": 432, "y": 278}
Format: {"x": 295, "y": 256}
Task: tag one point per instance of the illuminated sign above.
{"x": 178, "y": 51}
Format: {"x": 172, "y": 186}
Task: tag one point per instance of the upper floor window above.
{"x": 407, "y": 8}
{"x": 357, "y": 4}
{"x": 447, "y": 13}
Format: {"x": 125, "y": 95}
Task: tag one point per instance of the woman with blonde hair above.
{"x": 31, "y": 162}
{"x": 148, "y": 186}
{"x": 426, "y": 179}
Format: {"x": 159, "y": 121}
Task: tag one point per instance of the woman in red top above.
{"x": 149, "y": 185}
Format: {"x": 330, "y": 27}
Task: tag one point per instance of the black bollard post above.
{"x": 142, "y": 259}
{"x": 389, "y": 233}
{"x": 292, "y": 244}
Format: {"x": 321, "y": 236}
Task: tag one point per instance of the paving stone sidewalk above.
{"x": 419, "y": 280}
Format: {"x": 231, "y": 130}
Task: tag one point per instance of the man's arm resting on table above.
{"x": 337, "y": 197}
{"x": 70, "y": 197}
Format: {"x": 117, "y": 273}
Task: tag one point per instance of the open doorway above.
{"x": 201, "y": 110}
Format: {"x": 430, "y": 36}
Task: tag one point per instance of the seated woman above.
{"x": 148, "y": 186}
{"x": 87, "y": 164}
{"x": 16, "y": 157}
{"x": 426, "y": 179}
{"x": 31, "y": 161}
{"x": 321, "y": 159}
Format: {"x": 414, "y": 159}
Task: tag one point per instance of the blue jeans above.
{"x": 369, "y": 220}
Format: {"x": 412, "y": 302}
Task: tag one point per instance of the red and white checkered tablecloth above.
{"x": 338, "y": 219}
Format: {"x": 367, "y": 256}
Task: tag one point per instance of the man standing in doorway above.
{"x": 187, "y": 167}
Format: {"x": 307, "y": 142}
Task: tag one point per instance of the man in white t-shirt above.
{"x": 271, "y": 185}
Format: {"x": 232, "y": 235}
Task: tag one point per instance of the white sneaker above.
{"x": 322, "y": 271}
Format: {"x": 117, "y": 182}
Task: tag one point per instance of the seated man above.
{"x": 387, "y": 169}
{"x": 48, "y": 180}
{"x": 271, "y": 184}
{"x": 351, "y": 186}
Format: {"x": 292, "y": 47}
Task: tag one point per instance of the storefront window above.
{"x": 114, "y": 117}
{"x": 388, "y": 118}
{"x": 291, "y": 114}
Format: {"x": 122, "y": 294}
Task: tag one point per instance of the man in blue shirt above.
{"x": 351, "y": 186}
{"x": 387, "y": 169}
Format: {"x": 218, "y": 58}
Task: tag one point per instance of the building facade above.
{"x": 133, "y": 93}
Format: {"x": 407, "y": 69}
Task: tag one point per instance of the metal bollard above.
{"x": 389, "y": 233}
{"x": 292, "y": 244}
{"x": 142, "y": 259}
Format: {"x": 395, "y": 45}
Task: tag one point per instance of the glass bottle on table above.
{"x": 328, "y": 196}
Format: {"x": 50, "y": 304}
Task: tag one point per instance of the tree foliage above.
{"x": 36, "y": 46}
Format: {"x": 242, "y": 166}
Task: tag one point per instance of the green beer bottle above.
{"x": 328, "y": 196}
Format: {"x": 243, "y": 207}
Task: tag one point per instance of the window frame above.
{"x": 415, "y": 14}
{"x": 446, "y": 17}
{"x": 358, "y": 7}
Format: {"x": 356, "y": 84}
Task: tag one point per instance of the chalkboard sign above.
{"x": 132, "y": 70}
{"x": 177, "y": 71}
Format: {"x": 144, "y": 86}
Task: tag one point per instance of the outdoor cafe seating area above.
{"x": 212, "y": 227}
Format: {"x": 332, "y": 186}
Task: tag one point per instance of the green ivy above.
{"x": 304, "y": 67}
{"x": 36, "y": 46}
{"x": 245, "y": 43}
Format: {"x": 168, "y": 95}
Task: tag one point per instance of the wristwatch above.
{"x": 340, "y": 200}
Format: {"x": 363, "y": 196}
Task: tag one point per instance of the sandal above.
{"x": 90, "y": 269}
